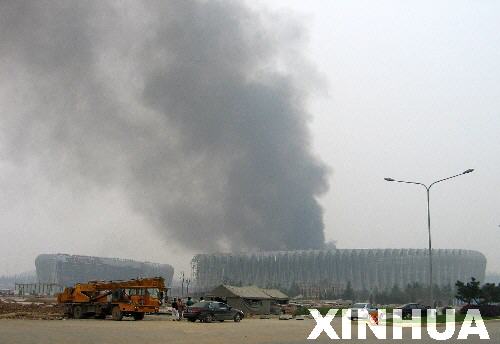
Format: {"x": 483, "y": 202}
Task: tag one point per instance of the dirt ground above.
{"x": 161, "y": 329}
{"x": 30, "y": 308}
{"x": 24, "y": 321}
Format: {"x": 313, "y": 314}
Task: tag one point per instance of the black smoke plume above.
{"x": 196, "y": 109}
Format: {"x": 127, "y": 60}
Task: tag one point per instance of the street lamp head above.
{"x": 389, "y": 179}
{"x": 468, "y": 171}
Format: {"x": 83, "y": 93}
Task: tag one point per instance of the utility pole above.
{"x": 182, "y": 284}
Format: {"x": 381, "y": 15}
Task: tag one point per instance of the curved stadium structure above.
{"x": 66, "y": 270}
{"x": 363, "y": 268}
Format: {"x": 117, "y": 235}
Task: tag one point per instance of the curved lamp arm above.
{"x": 442, "y": 180}
{"x": 406, "y": 182}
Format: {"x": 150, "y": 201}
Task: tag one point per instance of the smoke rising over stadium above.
{"x": 190, "y": 107}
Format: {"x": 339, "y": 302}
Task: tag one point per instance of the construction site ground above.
{"x": 161, "y": 329}
{"x": 34, "y": 308}
{"x": 38, "y": 320}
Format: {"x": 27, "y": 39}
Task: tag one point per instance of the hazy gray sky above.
{"x": 407, "y": 89}
{"x": 414, "y": 93}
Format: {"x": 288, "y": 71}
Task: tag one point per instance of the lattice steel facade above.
{"x": 67, "y": 270}
{"x": 364, "y": 268}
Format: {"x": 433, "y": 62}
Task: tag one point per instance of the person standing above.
{"x": 175, "y": 309}
{"x": 180, "y": 309}
{"x": 189, "y": 302}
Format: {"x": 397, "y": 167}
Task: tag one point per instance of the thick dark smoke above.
{"x": 195, "y": 109}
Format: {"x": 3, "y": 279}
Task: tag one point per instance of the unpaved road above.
{"x": 156, "y": 330}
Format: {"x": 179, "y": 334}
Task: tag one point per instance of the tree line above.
{"x": 471, "y": 292}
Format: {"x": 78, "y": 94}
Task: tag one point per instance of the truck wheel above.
{"x": 116, "y": 313}
{"x": 100, "y": 312}
{"x": 68, "y": 311}
{"x": 77, "y": 312}
{"x": 208, "y": 318}
{"x": 138, "y": 316}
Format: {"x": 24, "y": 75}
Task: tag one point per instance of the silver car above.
{"x": 361, "y": 311}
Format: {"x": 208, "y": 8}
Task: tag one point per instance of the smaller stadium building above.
{"x": 66, "y": 270}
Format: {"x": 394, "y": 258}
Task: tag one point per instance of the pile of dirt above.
{"x": 11, "y": 309}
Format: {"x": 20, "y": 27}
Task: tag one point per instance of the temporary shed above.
{"x": 278, "y": 300}
{"x": 249, "y": 299}
{"x": 277, "y": 295}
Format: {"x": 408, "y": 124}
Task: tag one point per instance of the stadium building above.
{"x": 66, "y": 270}
{"x": 365, "y": 269}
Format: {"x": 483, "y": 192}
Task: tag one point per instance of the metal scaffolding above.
{"x": 38, "y": 289}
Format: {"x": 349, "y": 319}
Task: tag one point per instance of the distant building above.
{"x": 66, "y": 270}
{"x": 316, "y": 270}
{"x": 8, "y": 282}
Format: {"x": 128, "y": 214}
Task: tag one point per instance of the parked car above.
{"x": 406, "y": 310}
{"x": 208, "y": 311}
{"x": 361, "y": 311}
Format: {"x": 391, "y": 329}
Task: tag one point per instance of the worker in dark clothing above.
{"x": 189, "y": 302}
{"x": 175, "y": 309}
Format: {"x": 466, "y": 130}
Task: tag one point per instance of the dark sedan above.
{"x": 208, "y": 311}
{"x": 406, "y": 310}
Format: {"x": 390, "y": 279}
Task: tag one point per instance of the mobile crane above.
{"x": 116, "y": 298}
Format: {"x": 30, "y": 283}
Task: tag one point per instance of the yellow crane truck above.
{"x": 116, "y": 298}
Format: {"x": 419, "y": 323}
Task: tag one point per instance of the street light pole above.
{"x": 431, "y": 285}
{"x": 428, "y": 189}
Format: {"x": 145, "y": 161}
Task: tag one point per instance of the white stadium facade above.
{"x": 66, "y": 270}
{"x": 367, "y": 269}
